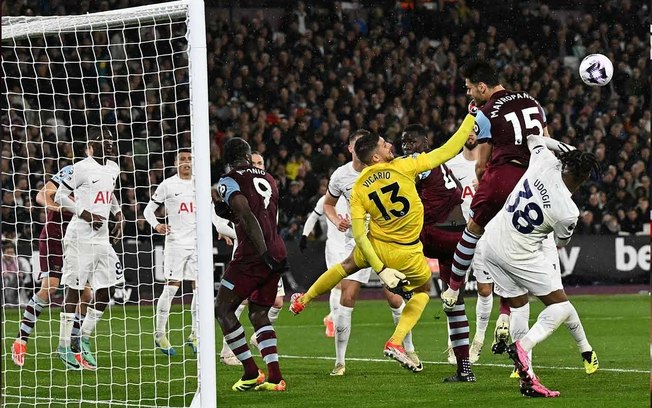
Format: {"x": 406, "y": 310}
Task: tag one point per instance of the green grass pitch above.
{"x": 617, "y": 327}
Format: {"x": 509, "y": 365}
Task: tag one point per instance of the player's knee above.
{"x": 475, "y": 227}
{"x": 484, "y": 289}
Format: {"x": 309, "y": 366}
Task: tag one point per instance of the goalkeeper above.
{"x": 386, "y": 192}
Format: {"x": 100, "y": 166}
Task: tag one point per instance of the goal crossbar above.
{"x": 22, "y": 27}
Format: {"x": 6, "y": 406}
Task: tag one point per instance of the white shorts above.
{"x": 335, "y": 253}
{"x": 97, "y": 264}
{"x": 478, "y": 266}
{"x": 362, "y": 275}
{"x": 180, "y": 264}
{"x": 550, "y": 252}
{"x": 537, "y": 276}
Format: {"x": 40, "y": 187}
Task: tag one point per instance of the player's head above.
{"x": 371, "y": 149}
{"x": 183, "y": 163}
{"x": 353, "y": 137}
{"x": 472, "y": 141}
{"x": 257, "y": 160}
{"x": 100, "y": 142}
{"x": 414, "y": 139}
{"x": 480, "y": 79}
{"x": 577, "y": 167}
{"x": 237, "y": 151}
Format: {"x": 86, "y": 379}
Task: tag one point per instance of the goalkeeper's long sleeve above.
{"x": 359, "y": 228}
{"x": 446, "y": 152}
{"x": 149, "y": 213}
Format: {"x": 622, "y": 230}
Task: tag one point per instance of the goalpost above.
{"x": 142, "y": 73}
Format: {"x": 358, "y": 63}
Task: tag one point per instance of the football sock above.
{"x": 462, "y": 258}
{"x": 396, "y": 316}
{"x": 410, "y": 316}
{"x": 548, "y": 321}
{"x": 225, "y": 345}
{"x": 76, "y": 326}
{"x": 163, "y": 309}
{"x": 273, "y": 314}
{"x": 324, "y": 283}
{"x": 458, "y": 329}
{"x": 482, "y": 313}
{"x": 519, "y": 322}
{"x": 266, "y": 338}
{"x": 90, "y": 321}
{"x": 334, "y": 301}
{"x": 576, "y": 329}
{"x": 30, "y": 316}
{"x": 237, "y": 342}
{"x": 65, "y": 328}
{"x": 342, "y": 324}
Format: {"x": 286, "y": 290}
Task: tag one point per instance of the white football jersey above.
{"x": 539, "y": 204}
{"x": 464, "y": 172}
{"x": 93, "y": 185}
{"x": 178, "y": 197}
{"x": 341, "y": 184}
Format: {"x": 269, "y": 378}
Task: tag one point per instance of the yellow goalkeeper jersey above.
{"x": 388, "y": 193}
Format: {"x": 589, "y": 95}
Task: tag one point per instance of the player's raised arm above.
{"x": 556, "y": 146}
{"x": 330, "y": 201}
{"x": 446, "y": 152}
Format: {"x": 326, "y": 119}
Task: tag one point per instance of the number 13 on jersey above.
{"x": 390, "y": 196}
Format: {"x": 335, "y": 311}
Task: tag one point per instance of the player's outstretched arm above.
{"x": 446, "y": 152}
{"x": 556, "y": 146}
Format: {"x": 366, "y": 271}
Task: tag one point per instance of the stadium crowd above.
{"x": 295, "y": 88}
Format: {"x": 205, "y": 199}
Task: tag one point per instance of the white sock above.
{"x": 334, "y": 301}
{"x": 65, "y": 328}
{"x": 342, "y": 332}
{"x": 548, "y": 321}
{"x": 574, "y": 326}
{"x": 396, "y": 315}
{"x": 163, "y": 309}
{"x": 273, "y": 314}
{"x": 482, "y": 315}
{"x": 193, "y": 311}
{"x": 90, "y": 321}
{"x": 519, "y": 323}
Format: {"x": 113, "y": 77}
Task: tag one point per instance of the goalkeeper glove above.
{"x": 395, "y": 282}
{"x": 449, "y": 299}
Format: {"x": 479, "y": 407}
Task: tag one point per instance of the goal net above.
{"x": 129, "y": 71}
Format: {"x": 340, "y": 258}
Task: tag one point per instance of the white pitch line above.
{"x": 384, "y": 360}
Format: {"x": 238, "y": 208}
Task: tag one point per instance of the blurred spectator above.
{"x": 16, "y": 276}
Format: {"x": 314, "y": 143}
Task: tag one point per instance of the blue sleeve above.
{"x": 482, "y": 127}
{"x": 63, "y": 176}
{"x": 226, "y": 187}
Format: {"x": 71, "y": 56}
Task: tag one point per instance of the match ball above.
{"x": 596, "y": 70}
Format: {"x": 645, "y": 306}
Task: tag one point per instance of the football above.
{"x": 596, "y": 70}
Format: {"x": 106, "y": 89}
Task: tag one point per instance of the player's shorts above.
{"x": 478, "y": 266}
{"x": 408, "y": 259}
{"x": 97, "y": 264}
{"x": 180, "y": 264}
{"x": 335, "y": 252}
{"x": 252, "y": 280}
{"x": 497, "y": 184}
{"x": 50, "y": 257}
{"x": 512, "y": 279}
{"x": 363, "y": 275}
{"x": 550, "y": 252}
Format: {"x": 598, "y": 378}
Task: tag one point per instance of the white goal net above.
{"x": 128, "y": 71}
